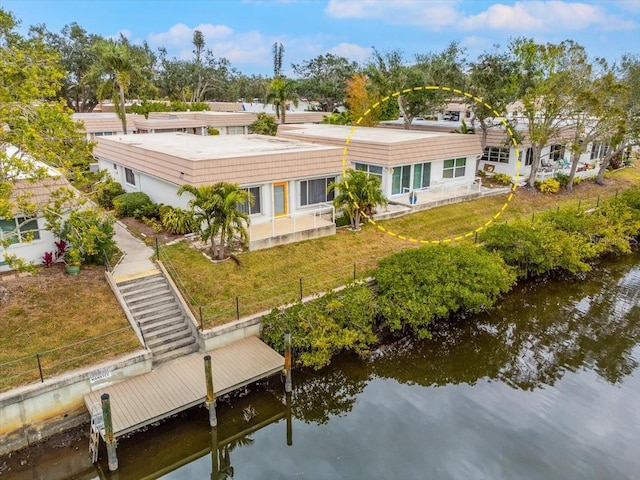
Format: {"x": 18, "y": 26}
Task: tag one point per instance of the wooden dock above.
{"x": 180, "y": 384}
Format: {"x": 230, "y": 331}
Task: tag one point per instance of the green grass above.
{"x": 69, "y": 321}
{"x": 269, "y": 278}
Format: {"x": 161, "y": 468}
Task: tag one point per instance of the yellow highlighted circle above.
{"x": 443, "y": 240}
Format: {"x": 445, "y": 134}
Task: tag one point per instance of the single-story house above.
{"x": 427, "y": 163}
{"x": 27, "y": 234}
{"x": 287, "y": 178}
{"x": 288, "y": 175}
{"x": 100, "y": 124}
{"x": 227, "y": 123}
{"x": 170, "y": 123}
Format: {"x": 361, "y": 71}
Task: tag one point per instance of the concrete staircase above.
{"x": 164, "y": 326}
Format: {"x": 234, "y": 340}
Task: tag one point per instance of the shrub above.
{"x": 213, "y": 131}
{"x": 536, "y": 249}
{"x": 153, "y": 223}
{"x": 126, "y": 204}
{"x": 105, "y": 191}
{"x": 549, "y": 185}
{"x": 420, "y": 285}
{"x": 149, "y": 210}
{"x": 338, "y": 321}
{"x": 178, "y": 221}
{"x": 563, "y": 179}
{"x": 501, "y": 178}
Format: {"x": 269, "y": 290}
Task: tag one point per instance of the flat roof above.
{"x": 212, "y": 147}
{"x": 362, "y": 134}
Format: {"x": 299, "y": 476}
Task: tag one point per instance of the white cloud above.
{"x": 351, "y": 51}
{"x": 544, "y": 16}
{"x": 181, "y": 35}
{"x": 435, "y": 14}
{"x": 523, "y": 16}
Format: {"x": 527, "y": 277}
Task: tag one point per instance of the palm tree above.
{"x": 116, "y": 70}
{"x": 204, "y": 205}
{"x": 358, "y": 194}
{"x": 281, "y": 90}
{"x": 216, "y": 210}
{"x": 230, "y": 221}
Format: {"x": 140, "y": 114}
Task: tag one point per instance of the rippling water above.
{"x": 546, "y": 386}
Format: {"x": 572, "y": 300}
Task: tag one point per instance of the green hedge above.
{"x": 126, "y": 204}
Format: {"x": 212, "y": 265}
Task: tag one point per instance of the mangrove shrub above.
{"x": 338, "y": 321}
{"x": 421, "y": 285}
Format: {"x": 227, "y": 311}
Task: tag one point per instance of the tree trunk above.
{"x": 123, "y": 114}
{"x": 535, "y": 164}
{"x": 574, "y": 167}
{"x": 283, "y": 108}
{"x": 606, "y": 160}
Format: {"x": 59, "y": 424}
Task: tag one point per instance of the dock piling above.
{"x": 108, "y": 433}
{"x": 289, "y": 422}
{"x": 211, "y": 395}
{"x": 287, "y": 361}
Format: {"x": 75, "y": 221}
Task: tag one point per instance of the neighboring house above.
{"x": 405, "y": 160}
{"x": 227, "y": 123}
{"x": 287, "y": 178}
{"x": 500, "y": 155}
{"x": 28, "y": 235}
{"x": 170, "y": 123}
{"x": 103, "y": 124}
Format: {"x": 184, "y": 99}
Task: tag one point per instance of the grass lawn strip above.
{"x": 269, "y": 278}
{"x": 53, "y": 314}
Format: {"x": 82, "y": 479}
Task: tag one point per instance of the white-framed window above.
{"x": 556, "y": 153}
{"x": 316, "y": 191}
{"x": 370, "y": 169}
{"x": 454, "y": 168}
{"x": 421, "y": 175}
{"x": 496, "y": 154}
{"x": 528, "y": 157}
{"x": 19, "y": 229}
{"x": 129, "y": 176}
{"x": 401, "y": 179}
{"x": 256, "y": 208}
{"x": 599, "y": 150}
{"x": 235, "y": 130}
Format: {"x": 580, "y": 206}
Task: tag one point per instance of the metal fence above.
{"x": 43, "y": 365}
{"x": 218, "y": 312}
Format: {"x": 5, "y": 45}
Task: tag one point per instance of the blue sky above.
{"x": 244, "y": 31}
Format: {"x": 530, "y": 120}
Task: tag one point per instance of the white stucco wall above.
{"x": 34, "y": 250}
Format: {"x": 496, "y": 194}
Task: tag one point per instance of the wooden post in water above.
{"x": 211, "y": 396}
{"x": 289, "y": 423}
{"x": 287, "y": 361}
{"x": 215, "y": 465}
{"x": 112, "y": 458}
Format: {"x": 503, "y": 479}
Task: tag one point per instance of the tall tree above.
{"x": 625, "y": 133}
{"x": 76, "y": 48}
{"x": 323, "y": 79}
{"x": 442, "y": 69}
{"x": 493, "y": 78}
{"x": 546, "y": 88}
{"x": 281, "y": 89}
{"x": 32, "y": 128}
{"x": 359, "y": 98}
{"x": 119, "y": 69}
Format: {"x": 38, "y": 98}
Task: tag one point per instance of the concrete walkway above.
{"x": 136, "y": 262}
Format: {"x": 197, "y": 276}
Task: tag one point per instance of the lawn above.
{"x": 69, "y": 321}
{"x": 265, "y": 279}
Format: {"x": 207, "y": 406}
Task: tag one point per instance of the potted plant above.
{"x": 72, "y": 260}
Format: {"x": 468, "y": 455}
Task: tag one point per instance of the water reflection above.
{"x": 543, "y": 386}
{"x": 533, "y": 337}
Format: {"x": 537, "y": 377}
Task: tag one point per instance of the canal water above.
{"x": 545, "y": 386}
